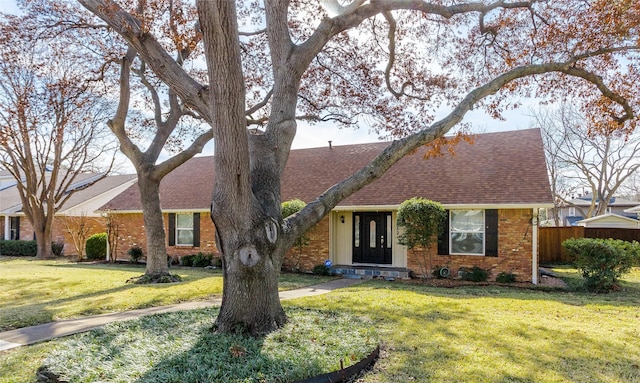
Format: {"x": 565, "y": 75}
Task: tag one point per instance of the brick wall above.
{"x": 315, "y": 253}
{"x": 514, "y": 250}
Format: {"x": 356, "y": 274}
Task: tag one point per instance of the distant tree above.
{"x": 389, "y": 65}
{"x": 51, "y": 123}
{"x": 419, "y": 222}
{"x": 581, "y": 156}
{"x": 78, "y": 228}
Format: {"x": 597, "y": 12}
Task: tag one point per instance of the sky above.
{"x": 318, "y": 135}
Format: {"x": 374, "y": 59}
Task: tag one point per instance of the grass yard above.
{"x": 466, "y": 334}
{"x": 35, "y": 292}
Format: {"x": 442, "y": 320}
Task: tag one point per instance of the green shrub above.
{"x": 321, "y": 270}
{"x": 602, "y": 261}
{"x": 217, "y": 262}
{"x": 19, "y": 248}
{"x": 202, "y": 260}
{"x": 135, "y": 254}
{"x": 476, "y": 274}
{"x": 96, "y": 247}
{"x": 57, "y": 248}
{"x": 187, "y": 260}
{"x": 505, "y": 277}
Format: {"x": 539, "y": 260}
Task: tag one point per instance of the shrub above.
{"x": 217, "y": 262}
{"x": 202, "y": 260}
{"x": 96, "y": 247}
{"x": 505, "y": 277}
{"x": 19, "y": 248}
{"x": 187, "y": 260}
{"x": 57, "y": 248}
{"x": 321, "y": 270}
{"x": 602, "y": 261}
{"x": 135, "y": 254}
{"x": 476, "y": 274}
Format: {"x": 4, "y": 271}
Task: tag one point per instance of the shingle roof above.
{"x": 506, "y": 168}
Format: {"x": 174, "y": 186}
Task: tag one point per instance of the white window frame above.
{"x": 179, "y": 228}
{"x": 482, "y": 231}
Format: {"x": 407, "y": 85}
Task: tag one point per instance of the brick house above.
{"x": 492, "y": 191}
{"x": 82, "y": 205}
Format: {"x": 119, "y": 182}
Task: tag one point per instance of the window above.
{"x": 467, "y": 232}
{"x": 14, "y": 223}
{"x": 184, "y": 229}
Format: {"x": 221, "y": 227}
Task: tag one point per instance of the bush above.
{"x": 187, "y": 260}
{"x": 202, "y": 260}
{"x": 135, "y": 254}
{"x": 602, "y": 261}
{"x": 476, "y": 274}
{"x": 96, "y": 247}
{"x": 196, "y": 260}
{"x": 57, "y": 248}
{"x": 321, "y": 270}
{"x": 217, "y": 262}
{"x": 19, "y": 248}
{"x": 505, "y": 277}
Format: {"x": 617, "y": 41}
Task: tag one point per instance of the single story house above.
{"x": 571, "y": 212}
{"x": 88, "y": 196}
{"x": 492, "y": 190}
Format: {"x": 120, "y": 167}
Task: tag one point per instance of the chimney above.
{"x": 330, "y": 145}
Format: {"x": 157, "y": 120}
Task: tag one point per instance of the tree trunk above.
{"x": 250, "y": 302}
{"x": 154, "y": 227}
{"x": 43, "y": 240}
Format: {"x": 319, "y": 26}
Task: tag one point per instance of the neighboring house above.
{"x": 635, "y": 211}
{"x": 610, "y": 221}
{"x": 572, "y": 212}
{"x": 83, "y": 204}
{"x": 492, "y": 191}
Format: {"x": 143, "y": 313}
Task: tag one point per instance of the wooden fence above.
{"x": 550, "y": 240}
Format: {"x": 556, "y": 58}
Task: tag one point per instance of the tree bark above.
{"x": 154, "y": 227}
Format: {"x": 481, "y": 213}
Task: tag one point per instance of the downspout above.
{"x": 534, "y": 239}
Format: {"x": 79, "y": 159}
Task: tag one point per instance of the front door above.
{"x": 372, "y": 236}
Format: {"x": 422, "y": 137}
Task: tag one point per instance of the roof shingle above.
{"x": 506, "y": 168}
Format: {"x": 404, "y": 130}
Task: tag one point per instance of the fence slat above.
{"x": 550, "y": 240}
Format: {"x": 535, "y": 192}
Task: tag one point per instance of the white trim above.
{"x": 164, "y": 211}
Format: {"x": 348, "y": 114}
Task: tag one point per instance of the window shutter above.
{"x": 172, "y": 229}
{"x": 491, "y": 232}
{"x": 443, "y": 237}
{"x": 196, "y": 229}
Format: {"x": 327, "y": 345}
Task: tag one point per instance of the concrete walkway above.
{"x": 30, "y": 335}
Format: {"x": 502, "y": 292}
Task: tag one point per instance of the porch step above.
{"x": 370, "y": 272}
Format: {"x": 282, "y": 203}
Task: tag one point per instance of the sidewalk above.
{"x": 29, "y": 335}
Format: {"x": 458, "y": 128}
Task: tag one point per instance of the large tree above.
{"x": 389, "y": 64}
{"x": 581, "y": 157}
{"x": 51, "y": 124}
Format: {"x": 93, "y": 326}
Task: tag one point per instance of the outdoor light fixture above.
{"x": 342, "y": 218}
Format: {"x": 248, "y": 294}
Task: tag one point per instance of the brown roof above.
{"x": 506, "y": 168}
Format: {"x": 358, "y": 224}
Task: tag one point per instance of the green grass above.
{"x": 180, "y": 347}
{"x": 35, "y": 292}
{"x": 466, "y": 334}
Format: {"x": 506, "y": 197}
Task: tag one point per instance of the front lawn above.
{"x": 465, "y": 334}
{"x": 35, "y": 292}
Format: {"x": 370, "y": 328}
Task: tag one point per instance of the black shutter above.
{"x": 14, "y": 226}
{"x": 443, "y": 236}
{"x": 196, "y": 229}
{"x": 491, "y": 232}
{"x": 172, "y": 229}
